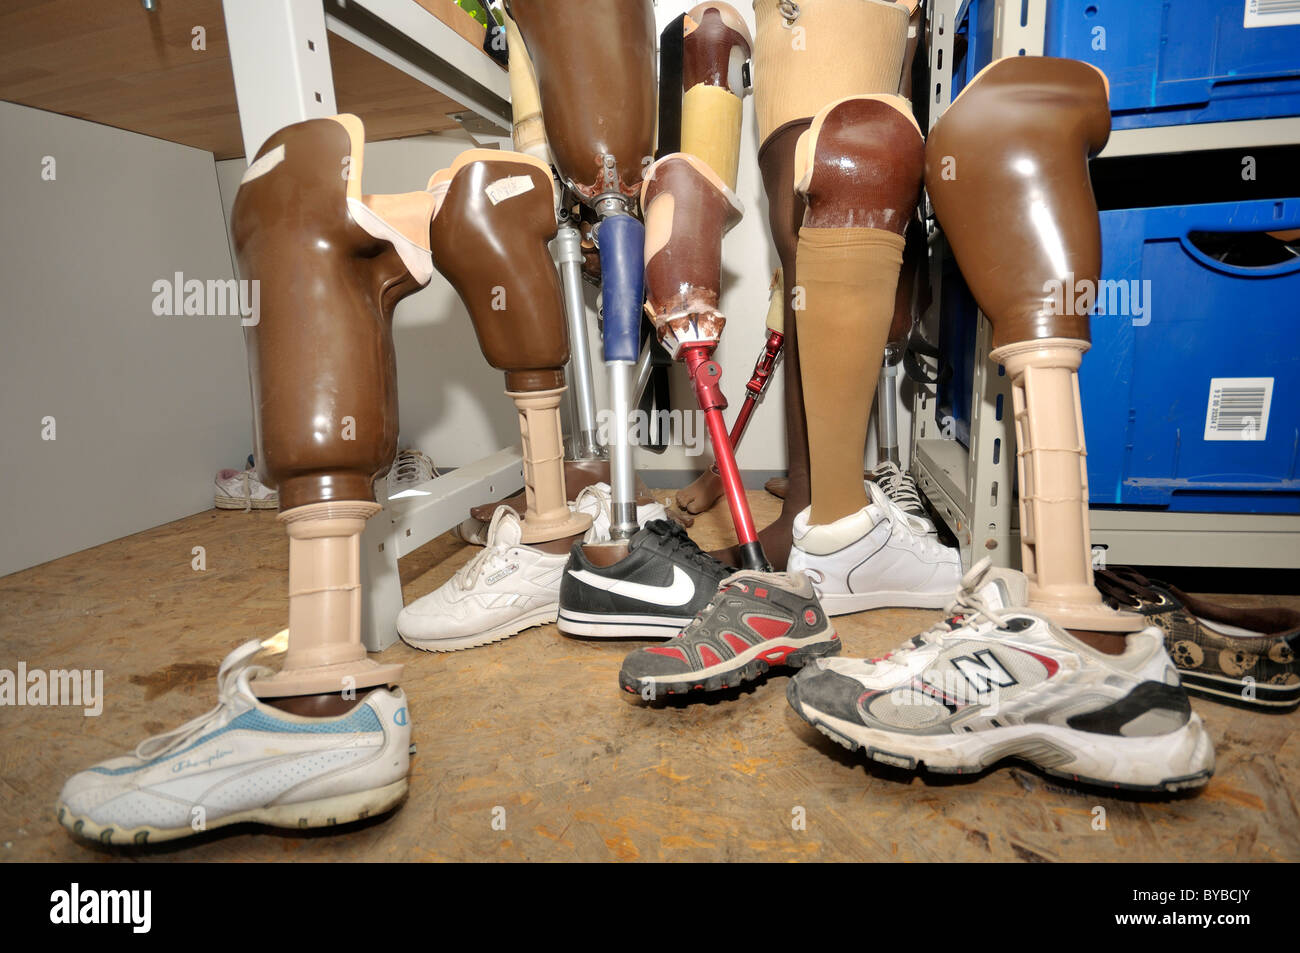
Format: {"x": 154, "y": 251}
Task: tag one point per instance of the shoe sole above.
{"x": 1174, "y": 762}
{"x": 745, "y": 667}
{"x": 1223, "y": 688}
{"x": 326, "y": 812}
{"x": 628, "y": 626}
{"x": 504, "y": 631}
{"x": 839, "y": 603}
{"x": 235, "y": 503}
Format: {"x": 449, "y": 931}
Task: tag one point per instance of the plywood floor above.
{"x": 537, "y": 726}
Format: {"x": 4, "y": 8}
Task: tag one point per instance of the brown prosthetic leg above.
{"x": 829, "y": 50}
{"x": 715, "y": 49}
{"x": 332, "y": 264}
{"x": 489, "y": 239}
{"x": 859, "y": 170}
{"x": 1007, "y": 171}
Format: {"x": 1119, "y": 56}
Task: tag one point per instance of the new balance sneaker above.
{"x": 242, "y": 490}
{"x": 754, "y": 622}
{"x": 652, "y": 592}
{"x": 901, "y": 490}
{"x": 1245, "y": 656}
{"x": 595, "y": 500}
{"x": 995, "y": 681}
{"x": 504, "y": 589}
{"x": 875, "y": 558}
{"x": 245, "y": 761}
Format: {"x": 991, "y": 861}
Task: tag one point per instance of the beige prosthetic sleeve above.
{"x": 716, "y": 46}
{"x": 831, "y": 49}
{"x": 848, "y": 277}
{"x": 525, "y": 99}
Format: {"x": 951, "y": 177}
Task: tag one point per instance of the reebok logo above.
{"x": 677, "y": 593}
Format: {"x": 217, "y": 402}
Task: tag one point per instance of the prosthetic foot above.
{"x": 332, "y": 264}
{"x": 1007, "y": 171}
{"x": 489, "y": 238}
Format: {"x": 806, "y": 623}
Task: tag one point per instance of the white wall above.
{"x": 146, "y": 408}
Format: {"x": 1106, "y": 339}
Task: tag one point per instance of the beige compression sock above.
{"x": 848, "y": 277}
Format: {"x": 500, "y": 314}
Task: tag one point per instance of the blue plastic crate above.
{"x": 1169, "y": 62}
{"x": 1147, "y": 382}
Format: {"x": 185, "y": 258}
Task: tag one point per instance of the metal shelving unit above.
{"x": 973, "y": 489}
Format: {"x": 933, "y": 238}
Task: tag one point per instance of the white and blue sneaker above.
{"x": 245, "y": 761}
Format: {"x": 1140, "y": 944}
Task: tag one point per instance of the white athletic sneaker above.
{"x": 996, "y": 681}
{"x": 242, "y": 490}
{"x": 506, "y": 588}
{"x": 595, "y": 500}
{"x": 410, "y": 468}
{"x": 245, "y": 761}
{"x": 874, "y": 558}
{"x": 901, "y": 490}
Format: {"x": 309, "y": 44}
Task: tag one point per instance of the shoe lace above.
{"x": 677, "y": 542}
{"x": 491, "y": 557}
{"x": 232, "y": 683}
{"x": 898, "y": 485}
{"x": 909, "y": 523}
{"x": 967, "y": 608}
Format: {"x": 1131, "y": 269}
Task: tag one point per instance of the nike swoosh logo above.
{"x": 679, "y": 592}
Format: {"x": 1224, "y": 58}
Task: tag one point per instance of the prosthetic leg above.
{"x": 332, "y": 264}
{"x": 841, "y": 48}
{"x": 858, "y": 169}
{"x": 1007, "y": 171}
{"x": 598, "y": 102}
{"x": 689, "y": 205}
{"x": 326, "y": 740}
{"x": 489, "y": 238}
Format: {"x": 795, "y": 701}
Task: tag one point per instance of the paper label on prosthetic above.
{"x": 264, "y": 164}
{"x": 1272, "y": 13}
{"x": 1238, "y": 408}
{"x": 508, "y": 188}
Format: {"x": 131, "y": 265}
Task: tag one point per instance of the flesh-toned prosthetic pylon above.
{"x": 332, "y": 264}
{"x": 1007, "y": 172}
{"x": 596, "y": 79}
{"x": 688, "y": 206}
{"x": 489, "y": 235}
{"x": 858, "y": 169}
{"x": 827, "y": 50}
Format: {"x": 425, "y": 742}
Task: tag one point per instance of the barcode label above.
{"x": 1238, "y": 408}
{"x": 1272, "y": 13}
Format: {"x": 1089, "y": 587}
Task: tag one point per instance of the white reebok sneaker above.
{"x": 504, "y": 589}
{"x": 242, "y": 490}
{"x": 245, "y": 761}
{"x": 996, "y": 681}
{"x": 595, "y": 500}
{"x": 875, "y": 558}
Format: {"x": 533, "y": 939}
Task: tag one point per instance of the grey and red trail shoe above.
{"x": 755, "y": 622}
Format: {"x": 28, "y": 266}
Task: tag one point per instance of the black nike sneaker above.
{"x": 652, "y": 592}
